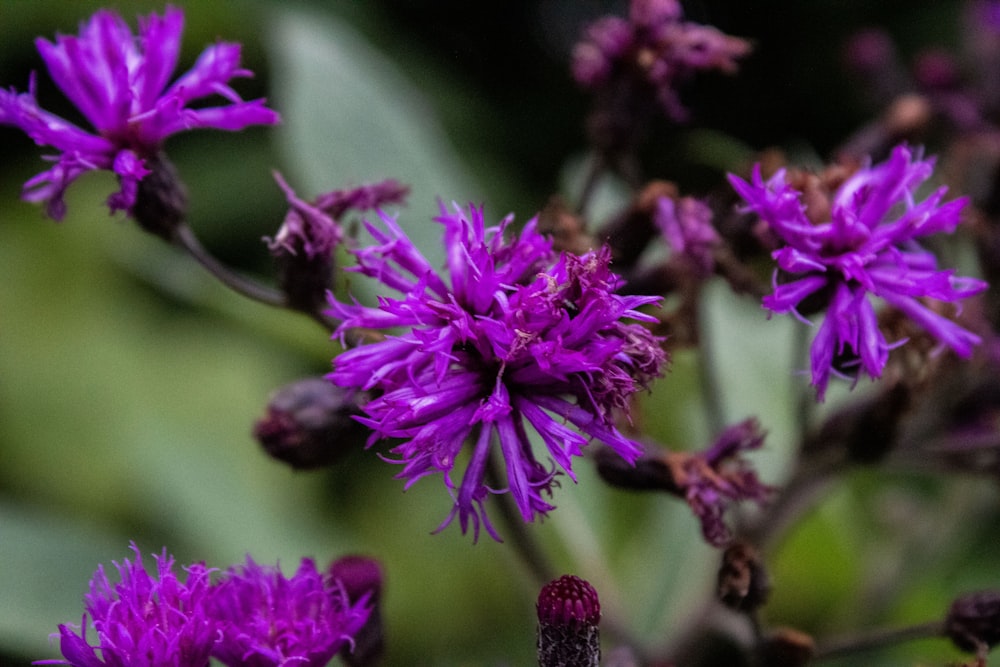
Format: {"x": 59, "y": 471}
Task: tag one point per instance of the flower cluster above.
{"x": 253, "y": 617}
{"x": 118, "y": 81}
{"x": 862, "y": 243}
{"x": 517, "y": 339}
{"x": 656, "y": 48}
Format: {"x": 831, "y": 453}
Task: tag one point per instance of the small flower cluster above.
{"x": 520, "y": 339}
{"x": 118, "y": 81}
{"x": 253, "y": 617}
{"x": 839, "y": 249}
{"x": 654, "y": 47}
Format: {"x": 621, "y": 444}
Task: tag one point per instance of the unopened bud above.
{"x": 161, "y": 199}
{"x": 743, "y": 582}
{"x": 568, "y": 615}
{"x": 359, "y": 576}
{"x": 973, "y": 621}
{"x": 309, "y": 424}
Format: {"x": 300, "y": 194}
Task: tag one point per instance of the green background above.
{"x": 129, "y": 380}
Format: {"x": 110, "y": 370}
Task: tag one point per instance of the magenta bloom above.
{"x": 142, "y": 621}
{"x": 654, "y": 48}
{"x": 118, "y": 81}
{"x": 267, "y": 620}
{"x": 515, "y": 339}
{"x": 868, "y": 248}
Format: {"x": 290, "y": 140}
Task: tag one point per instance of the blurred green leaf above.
{"x": 350, "y": 117}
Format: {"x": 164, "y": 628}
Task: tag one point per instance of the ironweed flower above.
{"x": 304, "y": 244}
{"x": 118, "y": 81}
{"x": 686, "y": 225}
{"x": 515, "y": 339}
{"x": 714, "y": 479}
{"x": 314, "y": 230}
{"x": 654, "y": 48}
{"x": 267, "y": 620}
{"x": 836, "y": 255}
{"x": 142, "y": 621}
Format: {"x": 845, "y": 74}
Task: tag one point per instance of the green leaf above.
{"x": 350, "y": 116}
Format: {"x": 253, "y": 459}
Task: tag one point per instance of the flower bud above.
{"x": 309, "y": 424}
{"x": 161, "y": 199}
{"x": 743, "y": 583}
{"x": 360, "y": 576}
{"x": 568, "y": 615}
{"x": 973, "y": 621}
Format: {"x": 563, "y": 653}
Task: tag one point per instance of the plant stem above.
{"x": 594, "y": 172}
{"x": 186, "y": 239}
{"x": 879, "y": 639}
{"x": 708, "y": 376}
{"x": 521, "y": 540}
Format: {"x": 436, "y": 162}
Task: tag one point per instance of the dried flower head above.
{"x": 718, "y": 477}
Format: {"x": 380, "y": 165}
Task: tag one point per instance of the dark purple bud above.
{"x": 648, "y": 473}
{"x": 358, "y": 575}
{"x": 361, "y": 576}
{"x": 161, "y": 199}
{"x": 309, "y": 424}
{"x": 744, "y": 584}
{"x": 568, "y": 615}
{"x": 973, "y": 621}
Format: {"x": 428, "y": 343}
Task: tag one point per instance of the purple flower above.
{"x": 686, "y": 225}
{"x": 516, "y": 339}
{"x": 712, "y": 480}
{"x": 304, "y": 244}
{"x": 118, "y": 81}
{"x": 267, "y": 620}
{"x": 862, "y": 245}
{"x": 656, "y": 49}
{"x": 142, "y": 621}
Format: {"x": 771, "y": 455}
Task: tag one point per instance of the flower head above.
{"x": 569, "y": 613}
{"x": 267, "y": 620}
{"x": 514, "y": 339}
{"x": 118, "y": 81}
{"x": 304, "y": 244}
{"x": 654, "y": 48}
{"x": 686, "y": 225}
{"x": 143, "y": 621}
{"x": 862, "y": 243}
{"x": 714, "y": 479}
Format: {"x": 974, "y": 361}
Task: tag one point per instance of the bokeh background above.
{"x": 129, "y": 380}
